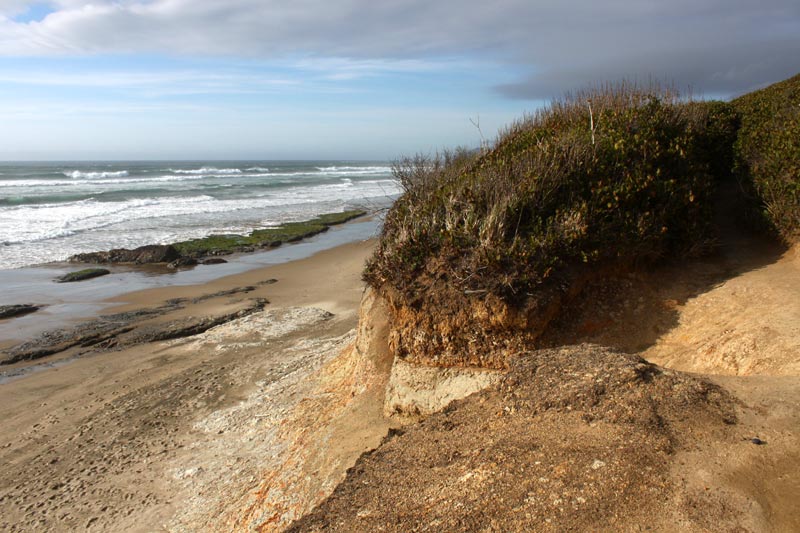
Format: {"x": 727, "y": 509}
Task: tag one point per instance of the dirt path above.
{"x": 747, "y": 325}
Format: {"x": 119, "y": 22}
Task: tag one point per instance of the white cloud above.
{"x": 715, "y": 45}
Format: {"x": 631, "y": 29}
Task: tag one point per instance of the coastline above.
{"x": 68, "y": 304}
{"x": 174, "y": 434}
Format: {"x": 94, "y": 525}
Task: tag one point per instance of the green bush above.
{"x": 716, "y": 126}
{"x": 604, "y": 178}
{"x": 768, "y": 155}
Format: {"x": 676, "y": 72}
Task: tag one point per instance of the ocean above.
{"x": 50, "y": 211}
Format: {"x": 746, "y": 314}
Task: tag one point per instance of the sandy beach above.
{"x": 194, "y": 432}
{"x": 64, "y": 304}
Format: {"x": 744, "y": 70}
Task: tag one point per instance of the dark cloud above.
{"x": 715, "y": 46}
{"x": 703, "y": 71}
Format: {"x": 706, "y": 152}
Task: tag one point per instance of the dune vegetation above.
{"x": 768, "y": 155}
{"x": 601, "y": 181}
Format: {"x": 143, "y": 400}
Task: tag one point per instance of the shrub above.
{"x": 607, "y": 177}
{"x": 768, "y": 155}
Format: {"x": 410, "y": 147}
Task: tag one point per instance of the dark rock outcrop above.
{"x": 214, "y": 261}
{"x": 10, "y": 311}
{"x": 155, "y": 253}
{"x": 126, "y": 329}
{"x": 182, "y": 262}
{"x": 82, "y": 275}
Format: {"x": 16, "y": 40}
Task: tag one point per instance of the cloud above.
{"x": 726, "y": 70}
{"x": 716, "y": 46}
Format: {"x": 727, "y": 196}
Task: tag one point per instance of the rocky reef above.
{"x": 205, "y": 250}
{"x": 154, "y": 253}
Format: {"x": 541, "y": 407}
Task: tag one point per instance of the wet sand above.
{"x": 68, "y": 303}
{"x": 176, "y": 435}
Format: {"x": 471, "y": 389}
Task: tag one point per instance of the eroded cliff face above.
{"x": 447, "y": 328}
{"x": 444, "y": 325}
{"x": 290, "y": 441}
{"x": 447, "y": 344}
{"x": 415, "y": 391}
{"x": 589, "y": 438}
{"x": 446, "y": 347}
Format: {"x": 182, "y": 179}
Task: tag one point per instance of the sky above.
{"x": 349, "y": 79}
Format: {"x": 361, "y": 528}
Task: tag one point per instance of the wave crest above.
{"x": 207, "y": 170}
{"x": 79, "y": 174}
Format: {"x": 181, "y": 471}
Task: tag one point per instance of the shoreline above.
{"x": 143, "y": 437}
{"x": 65, "y": 304}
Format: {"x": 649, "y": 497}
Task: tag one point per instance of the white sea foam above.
{"x": 208, "y": 170}
{"x": 135, "y": 180}
{"x": 36, "y": 233}
{"x": 30, "y": 223}
{"x": 360, "y": 170}
{"x": 78, "y": 174}
{"x": 71, "y": 184}
{"x": 370, "y": 171}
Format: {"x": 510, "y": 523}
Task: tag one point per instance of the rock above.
{"x": 416, "y": 391}
{"x": 9, "y": 311}
{"x": 82, "y": 275}
{"x": 155, "y": 253}
{"x": 214, "y": 261}
{"x": 182, "y": 262}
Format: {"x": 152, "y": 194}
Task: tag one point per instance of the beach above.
{"x": 64, "y": 304}
{"x": 255, "y": 419}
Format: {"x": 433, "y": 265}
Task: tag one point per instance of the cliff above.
{"x": 626, "y": 218}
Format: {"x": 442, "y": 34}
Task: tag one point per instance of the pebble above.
{"x": 597, "y": 464}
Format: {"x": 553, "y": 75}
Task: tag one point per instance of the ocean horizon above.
{"x": 54, "y": 209}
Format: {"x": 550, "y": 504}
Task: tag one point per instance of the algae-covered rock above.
{"x": 81, "y": 275}
{"x": 155, "y": 253}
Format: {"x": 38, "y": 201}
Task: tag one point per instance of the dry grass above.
{"x": 612, "y": 175}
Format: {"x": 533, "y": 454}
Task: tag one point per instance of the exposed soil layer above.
{"x": 573, "y": 439}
